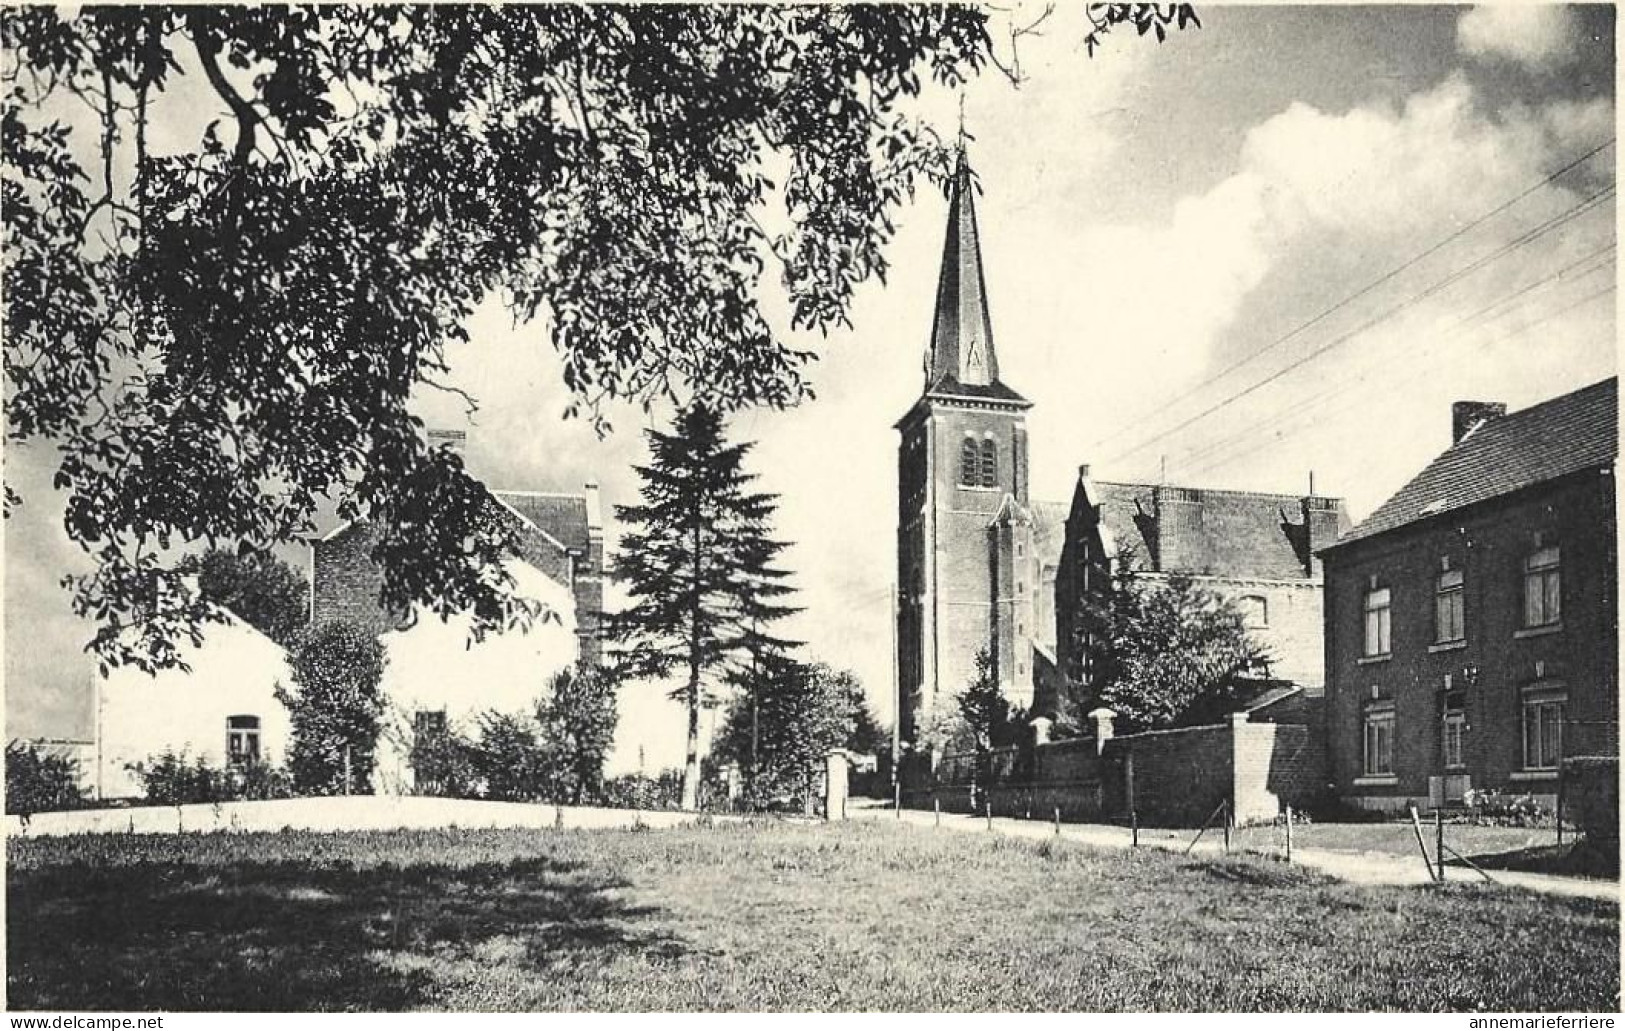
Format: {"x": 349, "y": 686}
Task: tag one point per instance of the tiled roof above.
{"x": 561, "y": 516}
{"x": 1555, "y": 438}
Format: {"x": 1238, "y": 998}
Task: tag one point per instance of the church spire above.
{"x": 962, "y": 336}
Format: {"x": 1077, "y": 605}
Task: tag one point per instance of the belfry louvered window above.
{"x": 990, "y": 464}
{"x": 969, "y": 463}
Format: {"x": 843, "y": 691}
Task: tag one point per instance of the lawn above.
{"x": 869, "y": 916}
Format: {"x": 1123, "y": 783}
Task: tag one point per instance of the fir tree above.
{"x": 698, "y": 561}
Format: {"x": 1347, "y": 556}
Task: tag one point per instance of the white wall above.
{"x": 233, "y": 673}
{"x": 433, "y": 665}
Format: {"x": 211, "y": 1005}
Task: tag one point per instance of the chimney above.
{"x": 1181, "y": 530}
{"x": 595, "y": 512}
{"x": 1320, "y": 523}
{"x": 1467, "y": 416}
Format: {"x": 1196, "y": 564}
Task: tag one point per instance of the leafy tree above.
{"x": 697, "y": 561}
{"x": 800, "y": 713}
{"x": 989, "y": 719}
{"x": 336, "y": 709}
{"x": 261, "y": 589}
{"x": 578, "y": 726}
{"x": 1164, "y": 652}
{"x": 39, "y": 782}
{"x": 218, "y": 337}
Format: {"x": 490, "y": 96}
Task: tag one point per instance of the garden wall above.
{"x": 1166, "y": 777}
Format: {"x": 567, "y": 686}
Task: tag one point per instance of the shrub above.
{"x": 37, "y": 781}
{"x": 336, "y": 709}
{"x": 1491, "y": 808}
{"x": 445, "y": 764}
{"x": 170, "y": 779}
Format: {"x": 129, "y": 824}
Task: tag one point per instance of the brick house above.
{"x": 436, "y": 677}
{"x": 1471, "y": 621}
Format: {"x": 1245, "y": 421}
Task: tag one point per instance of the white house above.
{"x": 224, "y": 708}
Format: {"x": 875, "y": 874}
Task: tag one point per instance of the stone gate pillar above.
{"x": 835, "y": 785}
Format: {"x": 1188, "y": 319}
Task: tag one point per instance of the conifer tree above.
{"x": 699, "y": 563}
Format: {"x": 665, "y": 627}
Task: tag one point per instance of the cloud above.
{"x": 1538, "y": 36}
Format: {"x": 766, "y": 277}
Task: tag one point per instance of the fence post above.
{"x": 1416, "y": 825}
{"x": 936, "y": 809}
{"x": 1057, "y": 820}
{"x": 1438, "y": 847}
{"x": 1289, "y": 834}
{"x": 897, "y": 797}
{"x": 1561, "y": 776}
{"x": 1228, "y": 815}
{"x": 1134, "y": 827}
{"x": 987, "y": 805}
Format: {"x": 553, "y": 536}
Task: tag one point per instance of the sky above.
{"x": 1275, "y": 247}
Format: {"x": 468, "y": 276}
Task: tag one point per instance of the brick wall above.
{"x": 1169, "y": 777}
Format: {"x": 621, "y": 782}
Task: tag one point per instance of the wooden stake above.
{"x": 1134, "y": 826}
{"x": 1416, "y": 825}
{"x": 1438, "y": 841}
{"x": 936, "y": 807}
{"x": 1057, "y": 820}
{"x": 1227, "y": 821}
{"x": 1289, "y": 834}
{"x": 897, "y": 798}
{"x": 988, "y": 806}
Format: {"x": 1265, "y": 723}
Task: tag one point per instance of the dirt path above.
{"x": 1356, "y": 867}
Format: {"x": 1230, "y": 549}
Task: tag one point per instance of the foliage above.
{"x": 169, "y": 778}
{"x": 988, "y": 718}
{"x": 1491, "y": 808}
{"x": 445, "y": 763}
{"x": 252, "y": 306}
{"x": 801, "y": 713}
{"x": 698, "y": 563}
{"x": 1162, "y": 651}
{"x": 39, "y": 782}
{"x": 636, "y": 791}
{"x": 336, "y": 709}
{"x": 259, "y": 588}
{"x": 578, "y": 719}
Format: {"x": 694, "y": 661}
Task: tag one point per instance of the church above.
{"x": 982, "y": 564}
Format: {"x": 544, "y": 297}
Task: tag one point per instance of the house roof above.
{"x": 563, "y": 517}
{"x": 1242, "y": 535}
{"x": 1537, "y": 444}
{"x": 562, "y": 520}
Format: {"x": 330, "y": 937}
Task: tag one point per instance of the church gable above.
{"x": 1201, "y": 532}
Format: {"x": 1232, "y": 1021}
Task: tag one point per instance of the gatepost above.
{"x": 835, "y": 778}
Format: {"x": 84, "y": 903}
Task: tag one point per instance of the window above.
{"x": 427, "y": 723}
{"x": 1542, "y": 588}
{"x": 1455, "y": 727}
{"x": 990, "y": 464}
{"x": 1376, "y": 622}
{"x": 1543, "y": 732}
{"x": 970, "y": 469}
{"x": 242, "y": 739}
{"x": 1255, "y": 612}
{"x": 1379, "y": 741}
{"x": 1448, "y": 613}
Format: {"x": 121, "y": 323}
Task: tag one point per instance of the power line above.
{"x": 1414, "y": 299}
{"x": 1251, "y": 445}
{"x": 1203, "y": 458}
{"x": 1384, "y": 278}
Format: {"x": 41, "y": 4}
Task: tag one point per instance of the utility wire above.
{"x": 1201, "y": 458}
{"x": 1414, "y": 299}
{"x": 1384, "y": 278}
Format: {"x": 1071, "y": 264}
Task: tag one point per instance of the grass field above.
{"x": 867, "y": 916}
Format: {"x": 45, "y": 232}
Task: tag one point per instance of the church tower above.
{"x": 964, "y": 534}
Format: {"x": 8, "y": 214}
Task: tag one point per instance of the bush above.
{"x": 170, "y": 779}
{"x": 336, "y": 709}
{"x": 38, "y": 782}
{"x": 1491, "y": 808}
